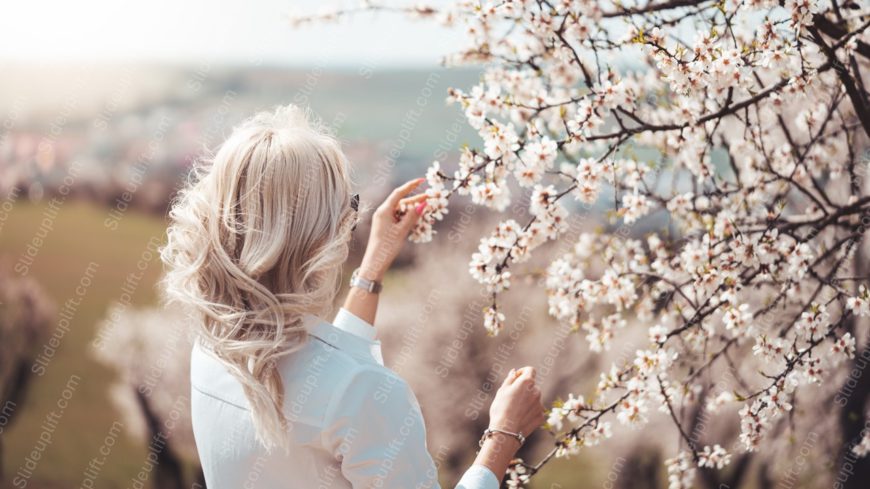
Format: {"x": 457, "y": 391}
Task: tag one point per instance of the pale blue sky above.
{"x": 192, "y": 31}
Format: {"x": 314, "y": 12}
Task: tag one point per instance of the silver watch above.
{"x": 370, "y": 286}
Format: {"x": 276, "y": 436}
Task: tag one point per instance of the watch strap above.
{"x": 370, "y": 286}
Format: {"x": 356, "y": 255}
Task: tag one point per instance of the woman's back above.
{"x": 342, "y": 406}
{"x": 231, "y": 455}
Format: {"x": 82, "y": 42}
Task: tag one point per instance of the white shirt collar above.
{"x": 348, "y": 333}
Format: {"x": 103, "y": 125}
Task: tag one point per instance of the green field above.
{"x": 77, "y": 239}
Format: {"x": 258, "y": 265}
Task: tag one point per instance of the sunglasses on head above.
{"x": 354, "y": 204}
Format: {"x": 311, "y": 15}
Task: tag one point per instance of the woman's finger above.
{"x": 527, "y": 372}
{"x": 414, "y": 199}
{"x": 396, "y": 195}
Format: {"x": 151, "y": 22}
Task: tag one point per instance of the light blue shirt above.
{"x": 353, "y": 422}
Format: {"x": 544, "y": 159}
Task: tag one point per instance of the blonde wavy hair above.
{"x": 256, "y": 241}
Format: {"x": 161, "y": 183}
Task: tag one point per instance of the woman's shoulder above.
{"x": 328, "y": 368}
{"x": 343, "y": 377}
{"x": 333, "y": 364}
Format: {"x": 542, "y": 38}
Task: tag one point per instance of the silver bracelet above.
{"x": 491, "y": 431}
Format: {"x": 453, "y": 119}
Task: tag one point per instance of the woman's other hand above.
{"x": 391, "y": 223}
{"x": 516, "y": 408}
{"x": 517, "y": 405}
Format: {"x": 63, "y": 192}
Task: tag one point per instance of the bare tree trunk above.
{"x": 641, "y": 469}
{"x": 764, "y": 479}
{"x": 854, "y": 472}
{"x": 716, "y": 479}
{"x": 17, "y": 391}
{"x": 168, "y": 474}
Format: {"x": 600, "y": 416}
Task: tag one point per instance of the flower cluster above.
{"x": 436, "y": 205}
{"x": 725, "y": 170}
{"x": 860, "y": 304}
{"x": 517, "y": 474}
{"x": 714, "y": 457}
{"x": 681, "y": 471}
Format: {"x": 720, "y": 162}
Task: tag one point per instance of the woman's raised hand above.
{"x": 517, "y": 405}
{"x": 391, "y": 223}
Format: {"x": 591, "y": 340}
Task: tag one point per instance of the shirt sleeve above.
{"x": 478, "y": 477}
{"x": 374, "y": 427}
{"x": 353, "y": 324}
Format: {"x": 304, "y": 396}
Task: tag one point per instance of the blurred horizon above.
{"x": 195, "y": 31}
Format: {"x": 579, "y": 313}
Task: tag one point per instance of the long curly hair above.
{"x": 256, "y": 241}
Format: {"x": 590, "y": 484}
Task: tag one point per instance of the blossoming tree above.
{"x": 743, "y": 125}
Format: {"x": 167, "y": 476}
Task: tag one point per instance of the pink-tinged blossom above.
{"x": 681, "y": 471}
{"x": 860, "y": 304}
{"x": 635, "y": 206}
{"x": 493, "y": 321}
{"x": 843, "y": 348}
{"x": 714, "y": 457}
{"x": 500, "y": 140}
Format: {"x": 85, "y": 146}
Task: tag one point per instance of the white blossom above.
{"x": 681, "y": 471}
{"x": 713, "y": 457}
